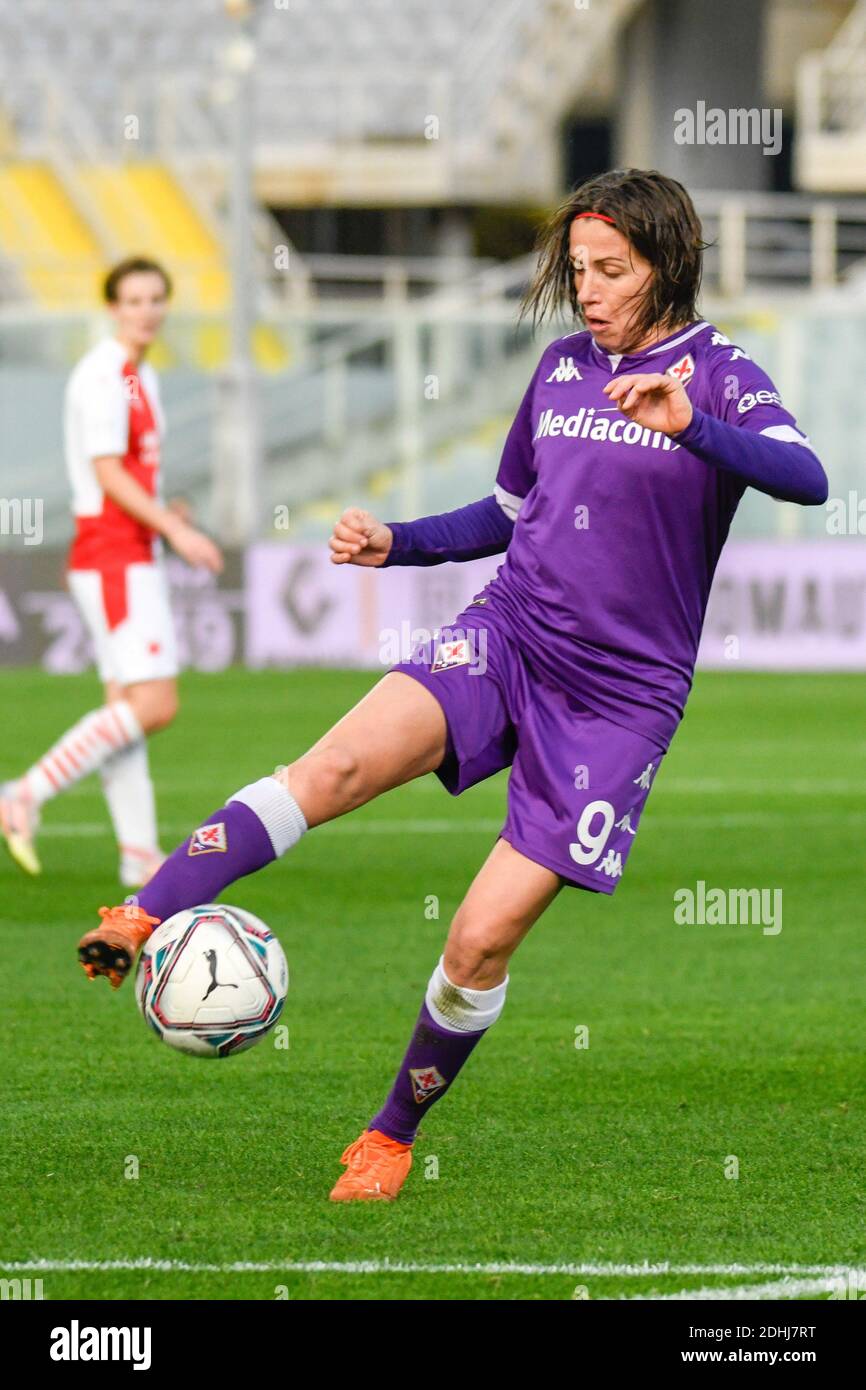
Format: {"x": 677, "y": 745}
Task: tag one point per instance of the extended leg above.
{"x": 96, "y": 739}
{"x": 395, "y": 733}
{"x": 465, "y": 997}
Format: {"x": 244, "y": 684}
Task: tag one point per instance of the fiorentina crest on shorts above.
{"x": 426, "y": 1081}
{"x": 449, "y": 654}
{"x": 683, "y": 370}
{"x": 209, "y": 839}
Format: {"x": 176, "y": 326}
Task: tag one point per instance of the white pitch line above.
{"x": 772, "y": 785}
{"x": 437, "y": 826}
{"x": 671, "y": 786}
{"x": 96, "y": 829}
{"x": 787, "y": 1287}
{"x": 827, "y": 1276}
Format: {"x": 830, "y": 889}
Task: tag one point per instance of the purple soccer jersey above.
{"x": 619, "y": 528}
{"x": 613, "y": 532}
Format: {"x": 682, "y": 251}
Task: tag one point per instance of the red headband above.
{"x": 600, "y": 215}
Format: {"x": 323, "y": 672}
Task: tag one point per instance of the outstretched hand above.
{"x": 193, "y": 545}
{"x": 653, "y": 399}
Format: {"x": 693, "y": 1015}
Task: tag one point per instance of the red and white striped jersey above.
{"x": 112, "y": 406}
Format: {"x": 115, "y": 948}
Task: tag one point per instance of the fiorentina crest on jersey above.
{"x": 683, "y": 370}
{"x": 449, "y": 654}
{"x": 426, "y": 1081}
{"x": 209, "y": 839}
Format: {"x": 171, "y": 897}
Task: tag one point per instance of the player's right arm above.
{"x": 482, "y": 528}
{"x": 123, "y": 489}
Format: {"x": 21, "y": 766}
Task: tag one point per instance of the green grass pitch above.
{"x": 577, "y": 1165}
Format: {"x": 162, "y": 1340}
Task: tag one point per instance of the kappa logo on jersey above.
{"x": 209, "y": 839}
{"x": 426, "y": 1081}
{"x": 450, "y": 654}
{"x": 683, "y": 370}
{"x": 624, "y": 823}
{"x": 566, "y": 371}
{"x": 645, "y": 777}
{"x": 611, "y": 864}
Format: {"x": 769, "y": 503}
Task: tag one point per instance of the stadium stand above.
{"x": 831, "y": 111}
{"x": 104, "y": 154}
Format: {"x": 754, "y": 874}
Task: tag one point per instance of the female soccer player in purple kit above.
{"x": 635, "y": 440}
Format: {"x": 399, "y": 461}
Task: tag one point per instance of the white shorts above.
{"x": 142, "y": 646}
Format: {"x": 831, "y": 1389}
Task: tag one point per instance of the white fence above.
{"x": 405, "y": 410}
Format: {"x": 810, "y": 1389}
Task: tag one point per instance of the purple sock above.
{"x": 432, "y": 1061}
{"x": 231, "y": 843}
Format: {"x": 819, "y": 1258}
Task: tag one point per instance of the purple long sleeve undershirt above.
{"x": 469, "y": 533}
{"x": 781, "y": 467}
{"x": 784, "y": 469}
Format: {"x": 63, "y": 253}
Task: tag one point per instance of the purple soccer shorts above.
{"x": 578, "y": 782}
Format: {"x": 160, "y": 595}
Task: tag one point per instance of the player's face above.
{"x": 141, "y": 306}
{"x": 610, "y": 278}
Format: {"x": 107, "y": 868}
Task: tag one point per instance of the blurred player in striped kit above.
{"x": 113, "y": 429}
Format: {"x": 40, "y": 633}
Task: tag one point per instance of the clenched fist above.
{"x": 359, "y": 539}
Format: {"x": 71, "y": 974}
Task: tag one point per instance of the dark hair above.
{"x": 657, "y": 217}
{"x": 134, "y": 265}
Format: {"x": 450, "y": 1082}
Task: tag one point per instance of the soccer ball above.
{"x": 212, "y": 980}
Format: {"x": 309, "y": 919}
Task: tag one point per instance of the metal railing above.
{"x": 779, "y": 240}
{"x": 831, "y": 84}
{"x": 407, "y": 411}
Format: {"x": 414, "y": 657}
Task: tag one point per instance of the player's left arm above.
{"x": 748, "y": 434}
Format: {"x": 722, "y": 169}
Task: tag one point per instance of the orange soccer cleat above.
{"x": 376, "y": 1169}
{"x": 110, "y": 949}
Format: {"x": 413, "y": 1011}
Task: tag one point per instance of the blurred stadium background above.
{"x": 346, "y": 195}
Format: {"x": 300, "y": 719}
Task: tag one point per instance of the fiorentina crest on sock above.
{"x": 208, "y": 839}
{"x": 426, "y": 1081}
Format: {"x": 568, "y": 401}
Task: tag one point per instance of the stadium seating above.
{"x": 54, "y": 250}
{"x": 337, "y": 420}
{"x": 496, "y": 78}
{"x": 61, "y": 224}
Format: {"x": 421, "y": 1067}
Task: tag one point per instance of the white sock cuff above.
{"x": 463, "y": 1010}
{"x": 277, "y": 810}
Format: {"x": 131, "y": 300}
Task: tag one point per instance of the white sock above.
{"x": 463, "y": 1010}
{"x": 277, "y": 810}
{"x": 82, "y": 749}
{"x": 128, "y": 790}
